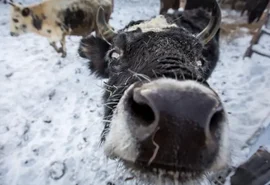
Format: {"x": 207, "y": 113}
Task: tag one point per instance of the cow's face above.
{"x": 20, "y": 19}
{"x": 162, "y": 116}
{"x": 168, "y": 118}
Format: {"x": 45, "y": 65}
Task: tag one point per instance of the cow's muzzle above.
{"x": 178, "y": 125}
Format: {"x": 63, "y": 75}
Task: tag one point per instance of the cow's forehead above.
{"x": 156, "y": 24}
{"x": 159, "y": 25}
{"x": 164, "y": 38}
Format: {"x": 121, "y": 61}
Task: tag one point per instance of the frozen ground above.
{"x": 51, "y": 113}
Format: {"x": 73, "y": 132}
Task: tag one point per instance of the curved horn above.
{"x": 211, "y": 29}
{"x": 104, "y": 28}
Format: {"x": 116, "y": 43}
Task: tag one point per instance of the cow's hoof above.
{"x": 64, "y": 55}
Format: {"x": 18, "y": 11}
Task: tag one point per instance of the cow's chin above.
{"x": 127, "y": 138}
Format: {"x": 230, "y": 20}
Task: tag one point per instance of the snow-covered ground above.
{"x": 51, "y": 111}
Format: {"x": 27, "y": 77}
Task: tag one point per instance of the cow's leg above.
{"x": 243, "y": 10}
{"x": 53, "y": 44}
{"x": 164, "y": 6}
{"x": 233, "y": 4}
{"x": 62, "y": 49}
{"x": 176, "y": 5}
{"x": 63, "y": 46}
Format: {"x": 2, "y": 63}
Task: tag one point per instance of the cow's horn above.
{"x": 214, "y": 24}
{"x": 104, "y": 28}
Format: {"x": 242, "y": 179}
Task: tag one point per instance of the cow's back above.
{"x": 77, "y": 16}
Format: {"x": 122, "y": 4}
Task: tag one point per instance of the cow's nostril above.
{"x": 216, "y": 119}
{"x": 141, "y": 110}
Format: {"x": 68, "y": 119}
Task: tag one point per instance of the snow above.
{"x": 265, "y": 47}
{"x": 232, "y": 16}
{"x": 51, "y": 110}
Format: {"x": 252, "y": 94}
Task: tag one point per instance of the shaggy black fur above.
{"x": 210, "y": 53}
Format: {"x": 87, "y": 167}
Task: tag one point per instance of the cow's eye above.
{"x": 115, "y": 53}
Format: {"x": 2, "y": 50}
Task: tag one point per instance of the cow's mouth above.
{"x": 165, "y": 171}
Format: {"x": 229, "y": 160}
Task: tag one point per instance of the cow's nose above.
{"x": 180, "y": 107}
{"x": 184, "y": 122}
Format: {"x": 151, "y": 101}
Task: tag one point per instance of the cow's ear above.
{"x": 95, "y": 49}
{"x": 25, "y": 12}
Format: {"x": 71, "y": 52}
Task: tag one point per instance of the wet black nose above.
{"x": 184, "y": 123}
{"x": 164, "y": 106}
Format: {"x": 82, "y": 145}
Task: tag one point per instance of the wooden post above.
{"x": 257, "y": 35}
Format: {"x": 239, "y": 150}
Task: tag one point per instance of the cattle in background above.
{"x": 193, "y": 4}
{"x": 233, "y": 3}
{"x": 255, "y": 9}
{"x": 55, "y": 19}
{"x": 165, "y": 5}
{"x": 161, "y": 118}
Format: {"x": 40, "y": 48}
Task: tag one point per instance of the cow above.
{"x": 56, "y": 19}
{"x": 162, "y": 119}
{"x": 165, "y": 5}
{"x": 254, "y": 9}
{"x": 194, "y": 4}
{"x": 234, "y": 2}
